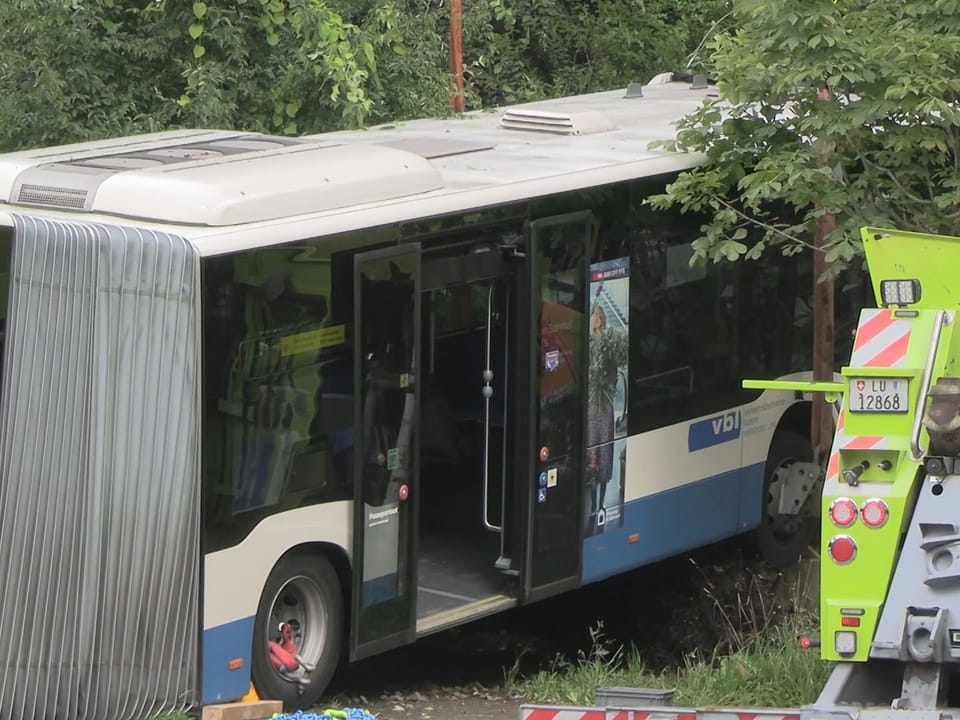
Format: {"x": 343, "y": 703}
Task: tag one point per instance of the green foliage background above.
{"x": 73, "y": 70}
{"x": 847, "y": 108}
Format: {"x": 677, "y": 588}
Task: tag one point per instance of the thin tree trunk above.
{"x": 821, "y": 419}
{"x": 821, "y": 430}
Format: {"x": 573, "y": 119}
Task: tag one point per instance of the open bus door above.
{"x": 387, "y": 373}
{"x": 559, "y": 253}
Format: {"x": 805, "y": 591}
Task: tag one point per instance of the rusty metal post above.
{"x": 457, "y": 103}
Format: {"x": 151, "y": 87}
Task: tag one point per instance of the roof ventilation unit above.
{"x": 51, "y": 196}
{"x": 582, "y": 123}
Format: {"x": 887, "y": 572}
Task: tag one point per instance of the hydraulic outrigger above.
{"x": 890, "y": 539}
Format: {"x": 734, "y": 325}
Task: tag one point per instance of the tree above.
{"x": 73, "y": 70}
{"x": 889, "y": 124}
{"x": 831, "y": 115}
{"x": 68, "y": 73}
{"x": 308, "y": 66}
{"x": 519, "y": 50}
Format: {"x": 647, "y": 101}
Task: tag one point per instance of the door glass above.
{"x": 387, "y": 345}
{"x": 560, "y": 287}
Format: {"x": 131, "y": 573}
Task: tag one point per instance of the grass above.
{"x": 735, "y": 643}
{"x": 731, "y": 640}
{"x": 768, "y": 671}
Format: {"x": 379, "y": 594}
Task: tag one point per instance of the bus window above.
{"x": 278, "y": 404}
{"x": 695, "y": 332}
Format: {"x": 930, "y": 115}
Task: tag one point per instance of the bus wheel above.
{"x": 782, "y": 538}
{"x": 298, "y": 631}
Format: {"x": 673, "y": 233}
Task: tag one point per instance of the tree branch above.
{"x": 759, "y": 223}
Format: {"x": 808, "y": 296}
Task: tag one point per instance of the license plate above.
{"x": 878, "y": 395}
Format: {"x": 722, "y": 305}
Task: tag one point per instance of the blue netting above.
{"x": 345, "y": 714}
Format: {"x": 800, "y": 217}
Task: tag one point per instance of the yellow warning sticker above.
{"x": 312, "y": 340}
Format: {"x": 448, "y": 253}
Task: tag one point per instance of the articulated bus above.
{"x": 274, "y": 403}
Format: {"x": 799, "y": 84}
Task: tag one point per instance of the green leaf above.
{"x": 199, "y": 51}
{"x": 196, "y": 30}
{"x": 199, "y": 9}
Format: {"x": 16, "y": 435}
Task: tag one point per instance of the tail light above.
{"x": 843, "y": 512}
{"x": 875, "y": 513}
{"x": 842, "y": 549}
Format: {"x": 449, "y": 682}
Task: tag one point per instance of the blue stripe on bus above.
{"x": 676, "y": 520}
{"x": 221, "y": 644}
{"x": 751, "y": 496}
{"x": 380, "y": 589}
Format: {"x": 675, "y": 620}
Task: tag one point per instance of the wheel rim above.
{"x": 300, "y": 603}
{"x": 782, "y": 527}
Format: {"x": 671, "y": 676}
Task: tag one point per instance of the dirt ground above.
{"x": 667, "y": 610}
{"x": 445, "y": 704}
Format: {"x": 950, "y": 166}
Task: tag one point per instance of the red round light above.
{"x": 843, "y": 512}
{"x": 842, "y": 549}
{"x": 875, "y": 513}
{"x": 805, "y": 644}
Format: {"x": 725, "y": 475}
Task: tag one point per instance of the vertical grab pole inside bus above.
{"x": 487, "y": 392}
{"x": 503, "y": 562}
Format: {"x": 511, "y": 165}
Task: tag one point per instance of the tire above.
{"x": 303, "y": 589}
{"x": 782, "y": 539}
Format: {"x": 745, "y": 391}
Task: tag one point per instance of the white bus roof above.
{"x": 218, "y": 188}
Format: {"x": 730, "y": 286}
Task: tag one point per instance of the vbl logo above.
{"x": 728, "y": 422}
{"x": 714, "y": 431}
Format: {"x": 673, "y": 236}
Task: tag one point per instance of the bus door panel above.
{"x": 558, "y": 266}
{"x": 387, "y": 379}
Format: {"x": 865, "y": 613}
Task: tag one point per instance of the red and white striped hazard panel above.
{"x": 842, "y": 441}
{"x": 882, "y": 340}
{"x": 749, "y": 715}
{"x": 548, "y": 712}
{"x": 659, "y": 714}
{"x": 563, "y": 712}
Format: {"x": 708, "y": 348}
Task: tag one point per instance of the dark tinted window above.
{"x": 697, "y": 332}
{"x": 278, "y": 383}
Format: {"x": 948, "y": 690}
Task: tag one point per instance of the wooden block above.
{"x": 243, "y": 711}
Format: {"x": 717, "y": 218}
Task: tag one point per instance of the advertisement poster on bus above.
{"x": 609, "y": 337}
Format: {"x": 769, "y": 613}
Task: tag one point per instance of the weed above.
{"x": 572, "y": 682}
{"x": 733, "y": 643}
